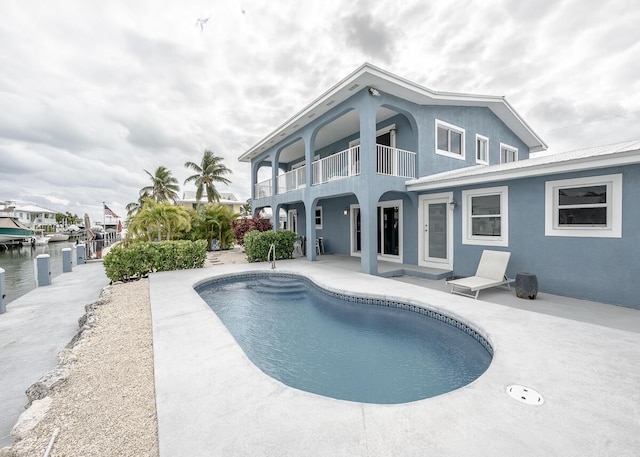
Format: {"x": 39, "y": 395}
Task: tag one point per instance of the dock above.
{"x": 35, "y": 327}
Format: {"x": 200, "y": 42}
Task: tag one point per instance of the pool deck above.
{"x": 583, "y": 357}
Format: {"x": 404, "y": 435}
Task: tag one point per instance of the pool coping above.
{"x": 212, "y": 400}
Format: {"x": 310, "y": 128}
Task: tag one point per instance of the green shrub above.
{"x": 137, "y": 260}
{"x": 257, "y": 244}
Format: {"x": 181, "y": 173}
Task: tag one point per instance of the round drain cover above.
{"x": 525, "y": 395}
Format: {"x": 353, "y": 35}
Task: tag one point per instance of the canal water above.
{"x": 18, "y": 264}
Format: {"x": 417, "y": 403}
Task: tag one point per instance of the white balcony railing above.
{"x": 337, "y": 166}
{"x": 389, "y": 161}
{"x": 395, "y": 162}
{"x": 263, "y": 189}
{"x": 292, "y": 180}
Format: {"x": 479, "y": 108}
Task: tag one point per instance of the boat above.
{"x": 39, "y": 239}
{"x": 12, "y": 231}
{"x": 58, "y": 236}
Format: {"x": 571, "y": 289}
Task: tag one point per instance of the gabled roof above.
{"x": 368, "y": 75}
{"x": 30, "y": 208}
{"x": 580, "y": 159}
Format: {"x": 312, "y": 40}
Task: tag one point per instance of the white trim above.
{"x": 467, "y": 237}
{"x": 445, "y": 197}
{"x": 614, "y": 207}
{"x": 389, "y": 128}
{"x": 499, "y": 173}
{"x": 508, "y": 148}
{"x": 450, "y": 127}
{"x": 315, "y": 217}
{"x": 486, "y": 139}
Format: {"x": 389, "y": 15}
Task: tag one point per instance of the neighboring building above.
{"x": 401, "y": 173}
{"x": 226, "y": 198}
{"x": 34, "y": 216}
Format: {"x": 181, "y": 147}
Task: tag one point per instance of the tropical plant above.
{"x": 159, "y": 220}
{"x": 137, "y": 260}
{"x": 164, "y": 187}
{"x": 245, "y": 225}
{"x": 67, "y": 218}
{"x": 258, "y": 244}
{"x": 133, "y": 207}
{"x": 213, "y": 222}
{"x": 209, "y": 172}
{"x": 245, "y": 209}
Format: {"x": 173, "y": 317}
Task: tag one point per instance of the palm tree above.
{"x": 245, "y": 209}
{"x": 164, "y": 187}
{"x": 133, "y": 207}
{"x": 208, "y": 173}
{"x": 158, "y": 219}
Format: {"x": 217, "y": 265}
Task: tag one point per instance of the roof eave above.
{"x": 573, "y": 165}
{"x": 405, "y": 88}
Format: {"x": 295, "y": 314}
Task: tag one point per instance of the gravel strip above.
{"x": 106, "y": 405}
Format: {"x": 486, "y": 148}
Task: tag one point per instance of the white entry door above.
{"x": 435, "y": 236}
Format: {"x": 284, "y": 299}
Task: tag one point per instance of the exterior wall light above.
{"x": 374, "y": 92}
{"x": 453, "y": 203}
{"x": 345, "y": 211}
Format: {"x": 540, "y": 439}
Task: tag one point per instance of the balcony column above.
{"x": 310, "y": 230}
{"x": 368, "y": 193}
{"x": 274, "y": 174}
{"x": 254, "y": 179}
{"x": 309, "y": 201}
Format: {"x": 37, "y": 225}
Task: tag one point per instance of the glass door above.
{"x": 437, "y": 232}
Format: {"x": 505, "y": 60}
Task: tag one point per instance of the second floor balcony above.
{"x": 344, "y": 164}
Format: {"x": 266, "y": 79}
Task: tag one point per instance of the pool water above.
{"x": 307, "y": 339}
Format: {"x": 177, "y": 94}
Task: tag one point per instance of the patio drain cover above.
{"x": 525, "y": 395}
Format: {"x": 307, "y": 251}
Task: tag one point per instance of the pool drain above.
{"x": 525, "y": 395}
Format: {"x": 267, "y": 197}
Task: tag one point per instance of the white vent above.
{"x": 525, "y": 395}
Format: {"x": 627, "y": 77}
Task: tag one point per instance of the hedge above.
{"x": 257, "y": 244}
{"x": 137, "y": 260}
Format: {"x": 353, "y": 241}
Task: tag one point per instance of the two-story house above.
{"x": 384, "y": 169}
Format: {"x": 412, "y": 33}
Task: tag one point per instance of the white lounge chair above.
{"x": 491, "y": 273}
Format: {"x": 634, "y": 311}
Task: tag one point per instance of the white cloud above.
{"x": 93, "y": 93}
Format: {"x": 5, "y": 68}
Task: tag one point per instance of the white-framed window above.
{"x": 584, "y": 207}
{"x": 449, "y": 140}
{"x": 508, "y": 153}
{"x": 485, "y": 216}
{"x": 318, "y": 217}
{"x": 482, "y": 149}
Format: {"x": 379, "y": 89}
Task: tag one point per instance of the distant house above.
{"x": 227, "y": 199}
{"x": 384, "y": 169}
{"x": 34, "y": 216}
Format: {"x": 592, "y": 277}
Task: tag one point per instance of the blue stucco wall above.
{"x": 599, "y": 269}
{"x": 475, "y": 121}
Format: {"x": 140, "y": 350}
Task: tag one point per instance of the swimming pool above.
{"x": 342, "y": 346}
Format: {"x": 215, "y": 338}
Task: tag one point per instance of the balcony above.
{"x": 395, "y": 162}
{"x": 292, "y": 180}
{"x": 263, "y": 189}
{"x": 337, "y": 166}
{"x": 344, "y": 164}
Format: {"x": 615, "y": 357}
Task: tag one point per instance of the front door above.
{"x": 436, "y": 225}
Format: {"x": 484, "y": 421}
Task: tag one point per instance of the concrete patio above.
{"x": 583, "y": 357}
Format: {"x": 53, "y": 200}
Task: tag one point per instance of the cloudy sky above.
{"x": 92, "y": 93}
